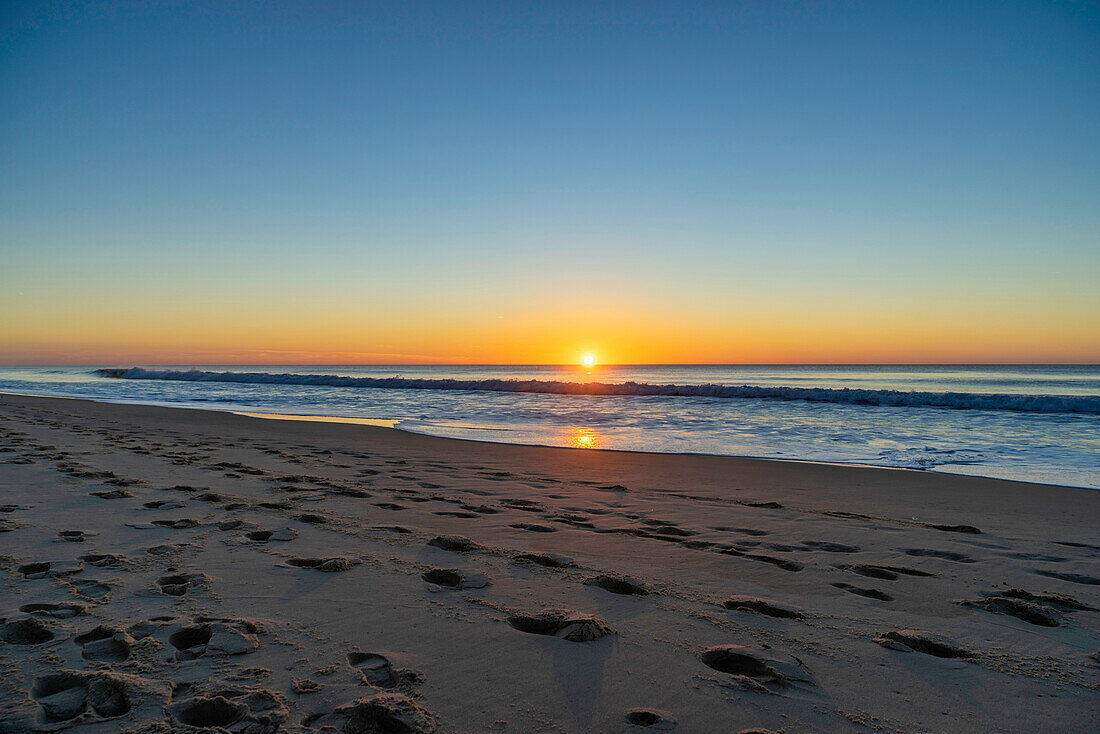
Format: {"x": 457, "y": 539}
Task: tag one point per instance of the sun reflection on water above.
{"x": 584, "y": 438}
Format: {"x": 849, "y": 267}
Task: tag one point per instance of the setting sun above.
{"x": 589, "y": 360}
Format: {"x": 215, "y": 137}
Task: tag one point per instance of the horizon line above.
{"x": 572, "y": 364}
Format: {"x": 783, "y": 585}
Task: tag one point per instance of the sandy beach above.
{"x": 165, "y": 569}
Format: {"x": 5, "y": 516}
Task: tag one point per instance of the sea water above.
{"x": 1034, "y": 423}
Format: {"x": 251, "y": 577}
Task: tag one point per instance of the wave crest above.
{"x": 889, "y": 398}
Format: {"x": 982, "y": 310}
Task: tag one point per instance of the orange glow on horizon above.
{"x": 78, "y": 329}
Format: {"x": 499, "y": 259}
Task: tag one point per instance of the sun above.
{"x": 589, "y": 360}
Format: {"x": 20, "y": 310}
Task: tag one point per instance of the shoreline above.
{"x": 311, "y": 574}
{"x": 380, "y": 423}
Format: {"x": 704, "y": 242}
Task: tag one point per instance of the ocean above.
{"x": 1028, "y": 422}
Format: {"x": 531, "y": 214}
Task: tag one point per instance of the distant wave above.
{"x": 893, "y": 398}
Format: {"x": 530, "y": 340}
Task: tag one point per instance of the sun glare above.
{"x": 589, "y": 360}
{"x": 584, "y": 438}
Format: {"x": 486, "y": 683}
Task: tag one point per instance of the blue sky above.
{"x": 491, "y": 156}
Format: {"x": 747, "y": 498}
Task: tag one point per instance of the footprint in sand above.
{"x": 481, "y": 509}
{"x": 848, "y": 515}
{"x": 102, "y": 560}
{"x": 1057, "y": 601}
{"x": 574, "y": 519}
{"x": 113, "y": 494}
{"x": 351, "y": 492}
{"x": 25, "y": 631}
{"x": 785, "y": 564}
{"x": 104, "y": 644}
{"x": 663, "y": 527}
{"x": 66, "y": 695}
{"x": 922, "y": 642}
{"x": 215, "y": 638}
{"x": 743, "y": 531}
{"x": 263, "y": 536}
{"x": 1073, "y": 578}
{"x": 617, "y": 585}
{"x": 1067, "y": 543}
{"x": 374, "y": 669}
{"x": 178, "y": 584}
{"x": 164, "y": 505}
{"x": 454, "y": 543}
{"x": 1026, "y": 611}
{"x": 377, "y": 670}
{"x": 670, "y": 532}
{"x": 532, "y": 527}
{"x": 383, "y": 712}
{"x": 550, "y": 560}
{"x": 180, "y": 524}
{"x": 73, "y": 536}
{"x": 207, "y": 713}
{"x": 859, "y": 590}
{"x": 886, "y": 573}
{"x": 571, "y": 626}
{"x": 654, "y": 719}
{"x": 451, "y": 578}
{"x": 757, "y": 668}
{"x": 248, "y": 710}
{"x": 874, "y": 572}
{"x": 330, "y": 565}
{"x": 762, "y": 606}
{"x": 303, "y": 686}
{"x": 42, "y": 569}
{"x": 954, "y": 528}
{"x": 57, "y": 611}
{"x": 524, "y": 505}
{"x": 829, "y": 547}
{"x": 946, "y": 555}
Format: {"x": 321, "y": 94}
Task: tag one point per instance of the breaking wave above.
{"x": 891, "y": 398}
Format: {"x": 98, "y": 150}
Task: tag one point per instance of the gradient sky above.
{"x": 513, "y": 182}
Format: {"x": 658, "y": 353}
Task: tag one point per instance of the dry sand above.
{"x": 164, "y": 567}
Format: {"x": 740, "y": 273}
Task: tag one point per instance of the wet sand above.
{"x": 165, "y": 569}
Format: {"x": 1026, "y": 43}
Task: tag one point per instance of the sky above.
{"x": 517, "y": 182}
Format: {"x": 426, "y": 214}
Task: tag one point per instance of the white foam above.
{"x": 887, "y": 398}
